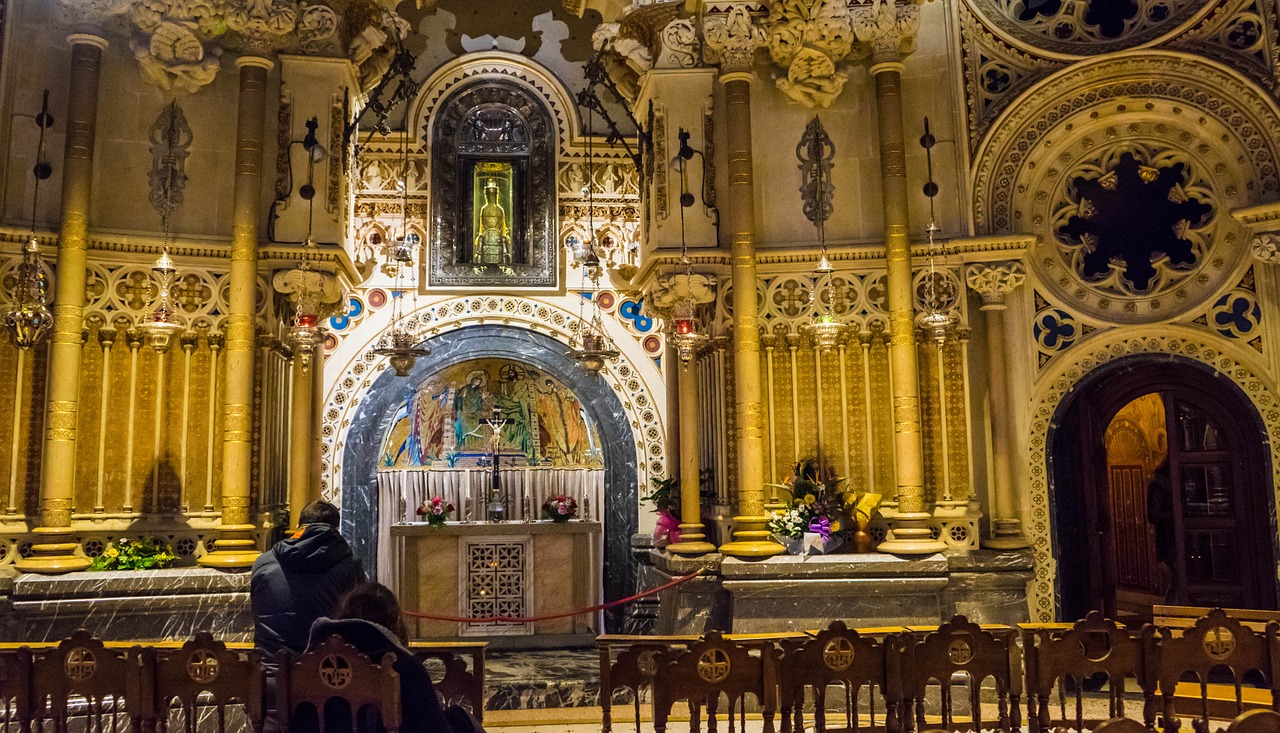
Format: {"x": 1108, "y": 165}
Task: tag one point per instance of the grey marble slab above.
{"x": 835, "y": 566}
{"x": 603, "y": 406}
{"x": 130, "y": 605}
{"x": 173, "y": 581}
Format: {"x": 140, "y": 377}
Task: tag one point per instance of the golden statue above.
{"x": 493, "y": 240}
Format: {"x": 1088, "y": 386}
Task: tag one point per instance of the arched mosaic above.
{"x": 355, "y": 379}
{"x": 1056, "y": 386}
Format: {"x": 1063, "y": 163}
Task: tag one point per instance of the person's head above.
{"x": 319, "y": 512}
{"x": 372, "y": 602}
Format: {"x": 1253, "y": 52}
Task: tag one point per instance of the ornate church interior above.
{"x": 675, "y": 351}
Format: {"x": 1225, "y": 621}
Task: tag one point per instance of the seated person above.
{"x": 368, "y": 618}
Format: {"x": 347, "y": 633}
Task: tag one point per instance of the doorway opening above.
{"x": 1161, "y": 493}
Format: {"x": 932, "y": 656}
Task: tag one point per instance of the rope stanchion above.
{"x": 553, "y": 616}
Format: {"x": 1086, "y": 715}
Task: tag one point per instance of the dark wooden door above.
{"x": 1223, "y": 550}
{"x": 1218, "y": 506}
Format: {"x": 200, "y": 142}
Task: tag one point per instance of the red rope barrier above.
{"x": 551, "y": 616}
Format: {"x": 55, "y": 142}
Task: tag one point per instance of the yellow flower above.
{"x": 810, "y": 498}
{"x": 113, "y": 552}
{"x": 835, "y": 526}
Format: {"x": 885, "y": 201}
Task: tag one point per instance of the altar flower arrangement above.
{"x": 666, "y": 502}
{"x": 560, "y": 508}
{"x": 435, "y": 511}
{"x": 815, "y": 515}
{"x": 142, "y": 554}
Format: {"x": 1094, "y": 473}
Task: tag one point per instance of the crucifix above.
{"x": 497, "y": 499}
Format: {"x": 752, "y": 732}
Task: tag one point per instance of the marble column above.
{"x": 911, "y": 533}
{"x": 692, "y": 538}
{"x": 731, "y": 41}
{"x": 993, "y": 282}
{"x": 54, "y": 549}
{"x": 235, "y": 545}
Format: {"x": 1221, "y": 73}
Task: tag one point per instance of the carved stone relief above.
{"x": 808, "y": 38}
{"x": 995, "y": 73}
{"x": 730, "y": 39}
{"x": 885, "y": 31}
{"x": 178, "y": 43}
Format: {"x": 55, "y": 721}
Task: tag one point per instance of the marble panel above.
{"x": 990, "y": 587}
{"x": 603, "y": 406}
{"x": 554, "y": 572}
{"x": 132, "y": 605}
{"x": 764, "y": 606}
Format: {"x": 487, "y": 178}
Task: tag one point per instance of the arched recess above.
{"x": 497, "y": 65}
{"x": 1088, "y": 361}
{"x": 373, "y": 417}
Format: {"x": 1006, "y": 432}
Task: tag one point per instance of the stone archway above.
{"x": 372, "y": 418}
{"x": 1057, "y": 386}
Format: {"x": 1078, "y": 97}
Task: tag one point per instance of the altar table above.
{"x": 517, "y": 569}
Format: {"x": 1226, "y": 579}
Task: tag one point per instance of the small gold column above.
{"x": 692, "y": 539}
{"x": 911, "y": 535}
{"x": 317, "y": 417}
{"x": 300, "y": 411}
{"x": 993, "y": 282}
{"x": 235, "y": 545}
{"x": 55, "y": 550}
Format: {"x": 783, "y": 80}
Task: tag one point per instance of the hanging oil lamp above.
{"x": 401, "y": 350}
{"x": 161, "y": 324}
{"x": 593, "y": 347}
{"x": 684, "y": 333}
{"x": 29, "y": 319}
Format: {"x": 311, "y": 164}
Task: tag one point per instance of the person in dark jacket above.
{"x": 299, "y": 580}
{"x": 296, "y": 582}
{"x": 369, "y": 619}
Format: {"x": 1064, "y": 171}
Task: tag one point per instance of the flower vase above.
{"x": 560, "y": 518}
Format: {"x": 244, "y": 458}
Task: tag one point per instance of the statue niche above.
{"x": 493, "y": 203}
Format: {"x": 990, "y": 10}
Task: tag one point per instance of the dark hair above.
{"x": 319, "y": 512}
{"x": 372, "y": 602}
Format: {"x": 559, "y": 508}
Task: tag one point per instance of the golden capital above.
{"x": 994, "y": 280}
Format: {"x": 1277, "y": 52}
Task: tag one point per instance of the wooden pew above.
{"x": 458, "y": 684}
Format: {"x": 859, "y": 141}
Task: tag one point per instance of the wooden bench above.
{"x": 1184, "y": 617}
{"x": 1218, "y": 699}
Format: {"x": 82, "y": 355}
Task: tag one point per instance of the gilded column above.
{"x": 235, "y": 545}
{"x": 54, "y": 550}
{"x": 692, "y": 539}
{"x": 993, "y": 282}
{"x": 731, "y": 41}
{"x": 890, "y": 36}
{"x": 300, "y": 409}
